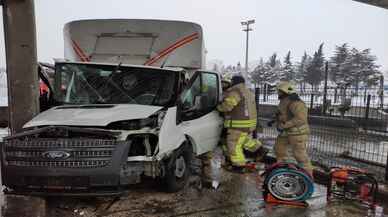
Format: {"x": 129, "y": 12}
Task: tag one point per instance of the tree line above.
{"x": 347, "y": 66}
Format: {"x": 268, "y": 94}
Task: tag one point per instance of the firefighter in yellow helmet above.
{"x": 239, "y": 108}
{"x": 292, "y": 123}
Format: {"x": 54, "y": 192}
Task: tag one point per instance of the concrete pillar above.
{"x": 20, "y": 44}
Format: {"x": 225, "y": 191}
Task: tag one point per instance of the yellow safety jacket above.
{"x": 239, "y": 108}
{"x": 294, "y": 117}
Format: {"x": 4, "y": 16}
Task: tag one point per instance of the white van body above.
{"x": 110, "y": 90}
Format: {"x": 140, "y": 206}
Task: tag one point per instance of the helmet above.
{"x": 286, "y": 87}
{"x": 226, "y": 78}
{"x": 237, "y": 79}
{"x": 226, "y": 82}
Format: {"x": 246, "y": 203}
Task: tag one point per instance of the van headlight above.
{"x": 154, "y": 121}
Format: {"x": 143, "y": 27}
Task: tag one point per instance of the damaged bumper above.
{"x": 71, "y": 166}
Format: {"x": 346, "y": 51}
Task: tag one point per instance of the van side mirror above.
{"x": 197, "y": 103}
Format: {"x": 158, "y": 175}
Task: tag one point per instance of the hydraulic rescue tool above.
{"x": 352, "y": 184}
{"x": 287, "y": 184}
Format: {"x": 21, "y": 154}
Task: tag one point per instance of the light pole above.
{"x": 247, "y": 30}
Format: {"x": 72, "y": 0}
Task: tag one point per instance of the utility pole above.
{"x": 22, "y": 75}
{"x": 247, "y": 30}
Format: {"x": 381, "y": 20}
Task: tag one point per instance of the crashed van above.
{"x": 129, "y": 101}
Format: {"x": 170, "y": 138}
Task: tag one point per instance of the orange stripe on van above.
{"x": 80, "y": 53}
{"x": 172, "y": 47}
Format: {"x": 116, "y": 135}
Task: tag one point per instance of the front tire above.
{"x": 178, "y": 168}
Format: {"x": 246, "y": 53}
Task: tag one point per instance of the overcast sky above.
{"x": 281, "y": 25}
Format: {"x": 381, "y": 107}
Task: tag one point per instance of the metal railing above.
{"x": 348, "y": 126}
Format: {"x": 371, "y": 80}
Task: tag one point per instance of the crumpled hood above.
{"x": 91, "y": 115}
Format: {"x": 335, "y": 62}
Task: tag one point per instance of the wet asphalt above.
{"x": 237, "y": 195}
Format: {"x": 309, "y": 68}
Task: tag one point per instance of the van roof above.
{"x": 175, "y": 69}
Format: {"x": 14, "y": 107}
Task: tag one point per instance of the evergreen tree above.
{"x": 338, "y": 69}
{"x": 274, "y": 67}
{"x": 370, "y": 70}
{"x": 287, "y": 71}
{"x": 272, "y": 60}
{"x": 258, "y": 75}
{"x": 361, "y": 66}
{"x": 266, "y": 72}
{"x": 315, "y": 70}
{"x": 301, "y": 71}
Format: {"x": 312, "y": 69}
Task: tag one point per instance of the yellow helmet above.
{"x": 286, "y": 87}
{"x": 227, "y": 78}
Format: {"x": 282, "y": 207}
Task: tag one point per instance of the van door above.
{"x": 200, "y": 118}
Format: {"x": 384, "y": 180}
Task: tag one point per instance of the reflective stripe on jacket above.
{"x": 239, "y": 108}
{"x": 240, "y": 123}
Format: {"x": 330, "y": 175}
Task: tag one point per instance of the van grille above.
{"x": 59, "y": 153}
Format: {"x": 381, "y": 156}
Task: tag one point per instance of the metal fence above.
{"x": 348, "y": 126}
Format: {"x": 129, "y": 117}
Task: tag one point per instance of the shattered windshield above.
{"x": 101, "y": 84}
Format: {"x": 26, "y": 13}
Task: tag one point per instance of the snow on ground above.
{"x": 3, "y": 133}
{"x": 272, "y": 99}
{"x": 3, "y": 89}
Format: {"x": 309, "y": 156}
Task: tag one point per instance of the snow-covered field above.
{"x": 318, "y": 100}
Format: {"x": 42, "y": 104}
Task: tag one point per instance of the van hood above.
{"x": 91, "y": 115}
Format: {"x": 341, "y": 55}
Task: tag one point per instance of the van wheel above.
{"x": 178, "y": 168}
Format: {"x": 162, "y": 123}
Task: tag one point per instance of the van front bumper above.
{"x": 70, "y": 167}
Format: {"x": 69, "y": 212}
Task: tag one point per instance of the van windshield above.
{"x": 101, "y": 84}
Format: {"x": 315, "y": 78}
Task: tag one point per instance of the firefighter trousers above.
{"x": 237, "y": 141}
{"x": 297, "y": 144}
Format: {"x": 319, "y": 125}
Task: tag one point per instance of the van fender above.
{"x": 171, "y": 136}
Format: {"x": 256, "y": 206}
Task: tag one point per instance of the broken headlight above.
{"x": 154, "y": 121}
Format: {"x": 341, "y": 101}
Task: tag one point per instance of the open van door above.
{"x": 200, "y": 118}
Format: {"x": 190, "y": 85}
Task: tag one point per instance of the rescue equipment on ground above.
{"x": 352, "y": 184}
{"x": 287, "y": 184}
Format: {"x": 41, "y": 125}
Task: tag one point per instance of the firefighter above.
{"x": 292, "y": 124}
{"x": 239, "y": 109}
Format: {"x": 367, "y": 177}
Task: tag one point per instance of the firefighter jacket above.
{"x": 239, "y": 108}
{"x": 292, "y": 117}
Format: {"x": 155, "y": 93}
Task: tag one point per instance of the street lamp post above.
{"x": 247, "y": 30}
